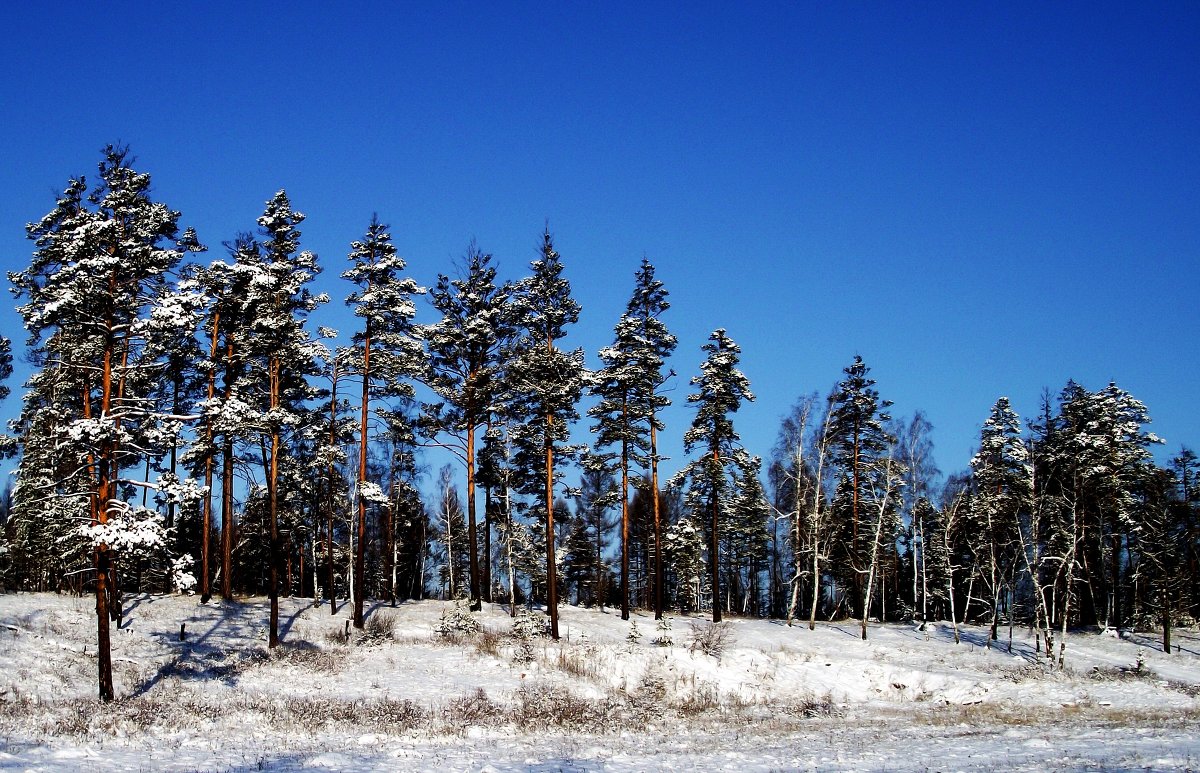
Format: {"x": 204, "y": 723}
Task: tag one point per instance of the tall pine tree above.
{"x": 96, "y": 303}
{"x": 722, "y": 388}
{"x": 387, "y": 353}
{"x": 464, "y": 349}
{"x": 544, "y": 385}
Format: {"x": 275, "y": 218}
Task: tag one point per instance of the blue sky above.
{"x": 980, "y": 199}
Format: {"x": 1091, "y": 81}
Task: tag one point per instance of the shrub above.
{"x": 711, "y": 638}
{"x": 378, "y": 629}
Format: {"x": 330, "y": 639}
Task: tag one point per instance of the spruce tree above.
{"x": 722, "y": 388}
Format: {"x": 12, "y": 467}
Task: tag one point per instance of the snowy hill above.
{"x": 410, "y": 697}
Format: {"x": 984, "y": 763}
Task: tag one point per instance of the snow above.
{"x": 777, "y": 697}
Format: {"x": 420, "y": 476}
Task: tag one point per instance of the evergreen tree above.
{"x": 1003, "y": 479}
{"x": 464, "y": 349}
{"x": 745, "y": 537}
{"x": 544, "y": 385}
{"x": 859, "y": 440}
{"x": 283, "y": 356}
{"x": 1091, "y": 460}
{"x": 598, "y": 492}
{"x": 627, "y": 414}
{"x": 722, "y": 388}
{"x": 386, "y": 352}
{"x": 96, "y": 302}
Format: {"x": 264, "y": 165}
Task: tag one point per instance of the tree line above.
{"x": 188, "y": 425}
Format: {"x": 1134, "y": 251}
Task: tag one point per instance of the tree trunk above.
{"x": 331, "y": 579}
{"x": 273, "y": 511}
{"x": 659, "y": 595}
{"x": 485, "y": 579}
{"x": 624, "y": 514}
{"x": 713, "y": 547}
{"x": 551, "y": 568}
{"x": 227, "y": 486}
{"x": 1166, "y": 618}
{"x": 206, "y": 517}
{"x": 360, "y": 549}
{"x": 472, "y": 538}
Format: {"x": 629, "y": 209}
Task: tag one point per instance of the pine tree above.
{"x": 283, "y": 358}
{"x": 627, "y": 414}
{"x": 96, "y": 302}
{"x": 746, "y": 536}
{"x": 1003, "y": 479}
{"x": 544, "y": 385}
{"x": 387, "y": 353}
{"x": 859, "y": 440}
{"x": 722, "y": 388}
{"x": 464, "y": 349}
{"x": 1091, "y": 460}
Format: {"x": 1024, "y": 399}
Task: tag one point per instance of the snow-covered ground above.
{"x": 776, "y": 697}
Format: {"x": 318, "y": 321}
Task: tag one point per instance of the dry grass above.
{"x": 984, "y": 715}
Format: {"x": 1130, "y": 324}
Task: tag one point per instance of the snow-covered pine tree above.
{"x": 628, "y": 388}
{"x": 282, "y": 358}
{"x": 543, "y": 386}
{"x": 96, "y": 296}
{"x": 746, "y": 534}
{"x": 856, "y": 425}
{"x": 464, "y": 349}
{"x": 229, "y": 414}
{"x": 1091, "y": 460}
{"x": 722, "y": 388}
{"x": 387, "y": 353}
{"x": 1003, "y": 478}
{"x": 336, "y": 431}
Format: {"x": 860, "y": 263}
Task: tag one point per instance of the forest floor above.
{"x": 769, "y": 697}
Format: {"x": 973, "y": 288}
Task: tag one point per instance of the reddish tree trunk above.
{"x": 361, "y": 547}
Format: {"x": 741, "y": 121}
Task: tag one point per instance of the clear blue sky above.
{"x": 981, "y": 199}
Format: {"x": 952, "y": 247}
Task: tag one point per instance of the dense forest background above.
{"x": 190, "y": 423}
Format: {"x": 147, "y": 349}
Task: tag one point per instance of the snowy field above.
{"x": 775, "y": 698}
